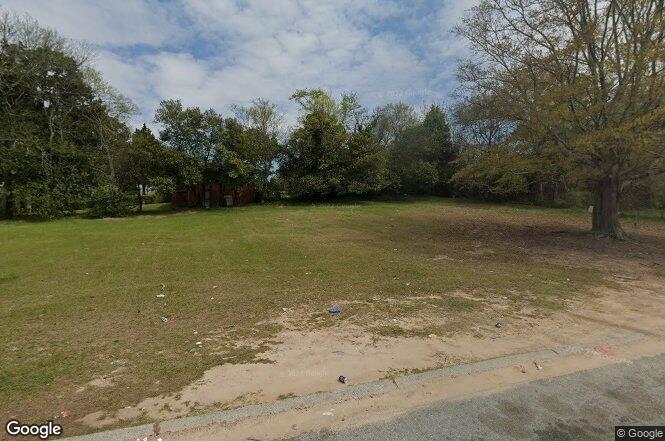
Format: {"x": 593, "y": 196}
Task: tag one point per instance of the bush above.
{"x": 637, "y": 196}
{"x": 658, "y": 194}
{"x": 148, "y": 198}
{"x": 110, "y": 201}
{"x": 39, "y": 200}
{"x": 574, "y": 199}
{"x": 323, "y": 160}
{"x": 276, "y": 186}
{"x": 420, "y": 177}
{"x": 163, "y": 188}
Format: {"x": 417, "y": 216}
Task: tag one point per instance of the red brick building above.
{"x": 213, "y": 195}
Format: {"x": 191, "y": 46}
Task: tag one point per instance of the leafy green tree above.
{"x": 236, "y": 157}
{"x": 142, "y": 162}
{"x": 109, "y": 200}
{"x": 347, "y": 112}
{"x": 111, "y": 126}
{"x": 389, "y": 122}
{"x": 50, "y": 147}
{"x": 264, "y": 126}
{"x": 420, "y": 177}
{"x": 496, "y": 173}
{"x": 658, "y": 194}
{"x": 579, "y": 85}
{"x": 196, "y": 136}
{"x": 485, "y": 162}
{"x": 421, "y": 156}
{"x": 322, "y": 160}
{"x": 311, "y": 166}
{"x": 365, "y": 164}
{"x": 438, "y": 135}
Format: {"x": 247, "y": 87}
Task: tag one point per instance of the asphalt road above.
{"x": 581, "y": 406}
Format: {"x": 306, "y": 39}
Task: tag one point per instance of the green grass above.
{"x": 648, "y": 214}
{"x": 78, "y": 296}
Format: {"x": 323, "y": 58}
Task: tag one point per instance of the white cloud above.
{"x": 128, "y": 77}
{"x": 277, "y": 47}
{"x": 115, "y": 23}
{"x": 214, "y": 53}
{"x": 447, "y": 43}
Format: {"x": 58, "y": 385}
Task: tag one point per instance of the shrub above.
{"x": 39, "y": 200}
{"x": 163, "y": 187}
{"x": 574, "y": 199}
{"x": 110, "y": 201}
{"x": 275, "y": 189}
{"x": 420, "y": 177}
{"x": 148, "y": 198}
{"x": 658, "y": 195}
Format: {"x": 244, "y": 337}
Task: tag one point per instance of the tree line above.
{"x": 67, "y": 145}
{"x": 560, "y": 102}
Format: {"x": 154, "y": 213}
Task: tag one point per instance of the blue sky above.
{"x": 215, "y": 53}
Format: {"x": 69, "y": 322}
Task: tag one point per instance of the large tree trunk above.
{"x": 606, "y": 210}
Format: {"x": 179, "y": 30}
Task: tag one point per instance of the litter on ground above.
{"x": 602, "y": 350}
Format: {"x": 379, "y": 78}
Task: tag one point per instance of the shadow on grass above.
{"x": 166, "y": 209}
{"x": 528, "y": 230}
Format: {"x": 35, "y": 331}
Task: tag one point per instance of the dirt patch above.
{"x": 305, "y": 362}
{"x": 375, "y": 409}
{"x": 100, "y": 382}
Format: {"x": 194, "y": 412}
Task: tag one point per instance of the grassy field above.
{"x": 78, "y": 297}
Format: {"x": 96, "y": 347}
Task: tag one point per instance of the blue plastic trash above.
{"x": 334, "y": 310}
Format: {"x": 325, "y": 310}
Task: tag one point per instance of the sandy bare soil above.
{"x": 303, "y": 362}
{"x": 376, "y": 409}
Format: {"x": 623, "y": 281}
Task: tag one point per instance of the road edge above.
{"x": 351, "y": 391}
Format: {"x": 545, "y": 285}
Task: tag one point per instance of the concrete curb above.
{"x": 355, "y": 391}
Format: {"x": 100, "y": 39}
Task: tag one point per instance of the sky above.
{"x": 216, "y": 53}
